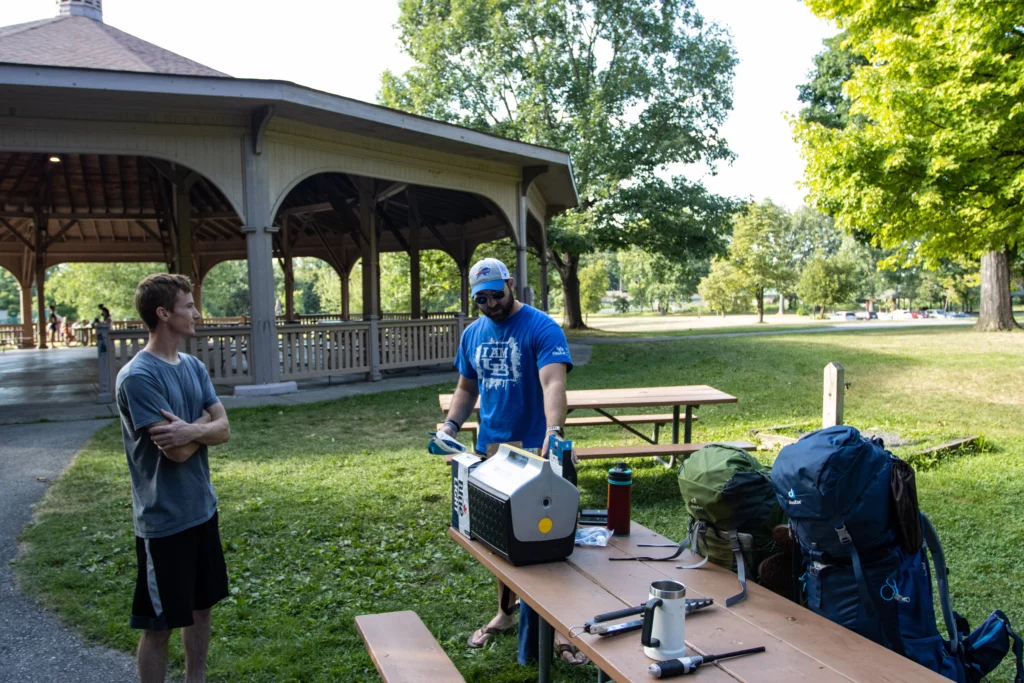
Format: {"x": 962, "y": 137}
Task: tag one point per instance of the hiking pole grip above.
{"x": 619, "y": 614}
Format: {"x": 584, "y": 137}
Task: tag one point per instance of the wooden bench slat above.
{"x": 593, "y": 421}
{"x": 403, "y": 650}
{"x": 661, "y": 449}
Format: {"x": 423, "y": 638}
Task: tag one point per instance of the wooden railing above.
{"x": 304, "y": 351}
{"x": 309, "y": 351}
{"x": 410, "y": 343}
{"x": 13, "y": 335}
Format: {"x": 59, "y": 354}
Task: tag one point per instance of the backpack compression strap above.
{"x": 741, "y": 572}
{"x": 895, "y": 641}
{"x": 931, "y": 541}
{"x": 690, "y": 542}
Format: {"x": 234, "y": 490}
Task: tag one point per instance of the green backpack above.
{"x": 733, "y": 510}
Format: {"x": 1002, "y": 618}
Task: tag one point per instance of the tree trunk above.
{"x": 760, "y": 304}
{"x": 782, "y": 304}
{"x": 568, "y": 269}
{"x": 996, "y": 313}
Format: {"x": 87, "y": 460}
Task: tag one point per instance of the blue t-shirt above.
{"x": 167, "y": 496}
{"x": 505, "y": 359}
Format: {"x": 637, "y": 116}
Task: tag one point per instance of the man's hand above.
{"x": 174, "y": 434}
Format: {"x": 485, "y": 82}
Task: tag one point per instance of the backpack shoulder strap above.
{"x": 741, "y": 571}
{"x": 866, "y": 595}
{"x": 931, "y": 541}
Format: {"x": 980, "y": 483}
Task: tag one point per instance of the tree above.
{"x": 658, "y": 281}
{"x": 823, "y": 95}
{"x": 723, "y": 289}
{"x": 10, "y": 297}
{"x": 626, "y": 87}
{"x": 593, "y": 285}
{"x": 932, "y": 153}
{"x": 762, "y": 250}
{"x": 82, "y": 287}
{"x": 827, "y": 281}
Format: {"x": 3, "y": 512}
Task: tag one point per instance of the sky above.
{"x": 342, "y": 46}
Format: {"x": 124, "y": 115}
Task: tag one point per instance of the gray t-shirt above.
{"x": 167, "y": 497}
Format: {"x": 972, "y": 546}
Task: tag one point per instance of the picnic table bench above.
{"x": 682, "y": 399}
{"x": 403, "y": 650}
{"x": 801, "y": 645}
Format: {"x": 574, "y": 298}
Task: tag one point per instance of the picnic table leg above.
{"x": 602, "y": 677}
{"x": 688, "y": 428}
{"x": 675, "y": 434}
{"x": 545, "y": 648}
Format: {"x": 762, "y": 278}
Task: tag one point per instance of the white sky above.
{"x": 341, "y": 46}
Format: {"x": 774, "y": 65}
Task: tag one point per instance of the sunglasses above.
{"x": 484, "y": 299}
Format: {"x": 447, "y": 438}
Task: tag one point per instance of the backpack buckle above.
{"x": 844, "y": 535}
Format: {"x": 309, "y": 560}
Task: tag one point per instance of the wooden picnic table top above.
{"x": 800, "y": 644}
{"x": 638, "y": 397}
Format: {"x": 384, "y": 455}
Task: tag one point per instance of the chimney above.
{"x": 82, "y": 8}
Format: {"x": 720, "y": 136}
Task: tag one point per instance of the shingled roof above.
{"x": 78, "y": 41}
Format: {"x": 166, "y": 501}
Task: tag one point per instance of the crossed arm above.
{"x": 178, "y": 439}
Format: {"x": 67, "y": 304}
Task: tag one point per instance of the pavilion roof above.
{"x": 77, "y": 41}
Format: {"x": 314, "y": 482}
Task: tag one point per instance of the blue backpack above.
{"x": 864, "y": 548}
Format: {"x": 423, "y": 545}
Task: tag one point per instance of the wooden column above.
{"x": 264, "y": 356}
{"x": 40, "y": 256}
{"x": 345, "y": 298}
{"x": 367, "y": 225}
{"x": 414, "y": 256}
{"x": 544, "y": 283}
{"x": 521, "y": 271}
{"x": 183, "y": 226}
{"x": 197, "y": 292}
{"x": 289, "y": 272}
{"x": 25, "y": 294}
{"x": 464, "y": 287}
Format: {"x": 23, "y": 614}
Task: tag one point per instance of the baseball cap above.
{"x": 488, "y": 273}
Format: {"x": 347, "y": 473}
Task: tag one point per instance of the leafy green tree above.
{"x": 82, "y": 287}
{"x": 762, "y": 250}
{"x": 626, "y": 87}
{"x": 593, "y": 285}
{"x": 828, "y": 280}
{"x": 823, "y": 95}
{"x": 226, "y": 290}
{"x": 10, "y": 295}
{"x": 724, "y": 288}
{"x": 932, "y": 154}
{"x": 621, "y": 304}
{"x": 655, "y": 280}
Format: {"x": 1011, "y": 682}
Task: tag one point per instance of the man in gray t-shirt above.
{"x": 170, "y": 415}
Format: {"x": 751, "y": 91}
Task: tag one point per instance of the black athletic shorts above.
{"x": 177, "y": 575}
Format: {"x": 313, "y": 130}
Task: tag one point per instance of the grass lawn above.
{"x": 333, "y": 510}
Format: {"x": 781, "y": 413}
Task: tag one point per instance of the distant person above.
{"x": 54, "y": 322}
{"x": 105, "y": 315}
{"x": 170, "y": 414}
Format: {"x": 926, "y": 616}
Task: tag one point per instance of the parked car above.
{"x": 844, "y": 315}
{"x": 958, "y": 314}
{"x": 866, "y": 315}
{"x": 899, "y": 314}
{"x": 937, "y": 313}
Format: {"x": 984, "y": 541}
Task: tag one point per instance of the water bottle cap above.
{"x": 620, "y": 474}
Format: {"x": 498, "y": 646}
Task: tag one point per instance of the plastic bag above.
{"x": 593, "y": 535}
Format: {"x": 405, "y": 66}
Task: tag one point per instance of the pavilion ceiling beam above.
{"x": 29, "y": 168}
{"x": 390, "y": 191}
{"x": 394, "y": 230}
{"x": 337, "y": 263}
{"x": 179, "y": 176}
{"x": 307, "y": 208}
{"x": 4, "y": 222}
{"x": 84, "y": 216}
{"x": 149, "y": 231}
{"x": 67, "y": 226}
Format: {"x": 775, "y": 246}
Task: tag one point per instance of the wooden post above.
{"x": 183, "y": 217}
{"x": 414, "y": 257}
{"x": 373, "y": 339}
{"x": 41, "y": 220}
{"x": 289, "y": 271}
{"x": 835, "y": 387}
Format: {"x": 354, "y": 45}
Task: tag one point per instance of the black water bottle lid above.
{"x": 621, "y": 473}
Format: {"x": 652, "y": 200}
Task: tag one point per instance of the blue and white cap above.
{"x": 488, "y": 273}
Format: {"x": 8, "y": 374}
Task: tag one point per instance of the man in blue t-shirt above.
{"x": 515, "y": 359}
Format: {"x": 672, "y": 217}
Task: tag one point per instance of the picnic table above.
{"x": 801, "y": 646}
{"x": 682, "y": 399}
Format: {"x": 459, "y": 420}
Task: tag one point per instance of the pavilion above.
{"x": 115, "y": 150}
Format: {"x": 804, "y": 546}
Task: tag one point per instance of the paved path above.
{"x": 838, "y": 327}
{"x": 33, "y": 644}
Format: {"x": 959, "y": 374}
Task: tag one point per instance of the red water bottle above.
{"x": 620, "y": 498}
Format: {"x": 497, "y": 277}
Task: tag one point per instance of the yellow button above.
{"x": 544, "y": 525}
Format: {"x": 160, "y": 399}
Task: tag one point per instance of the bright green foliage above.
{"x": 657, "y": 281}
{"x": 724, "y": 288}
{"x": 828, "y": 280}
{"x": 935, "y": 156}
{"x": 626, "y": 87}
{"x": 763, "y": 250}
{"x": 84, "y": 286}
{"x": 10, "y": 297}
{"x": 593, "y": 285}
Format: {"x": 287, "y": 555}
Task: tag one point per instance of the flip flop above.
{"x": 483, "y": 635}
{"x": 562, "y": 648}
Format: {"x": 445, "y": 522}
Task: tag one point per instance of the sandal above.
{"x": 482, "y": 636}
{"x": 562, "y": 648}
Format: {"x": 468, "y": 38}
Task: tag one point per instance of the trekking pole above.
{"x": 687, "y": 665}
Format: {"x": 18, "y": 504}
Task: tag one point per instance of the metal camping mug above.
{"x": 664, "y": 633}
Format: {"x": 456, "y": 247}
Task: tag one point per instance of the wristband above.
{"x": 557, "y": 430}
{"x": 453, "y": 423}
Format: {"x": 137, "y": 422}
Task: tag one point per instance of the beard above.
{"x": 501, "y": 311}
